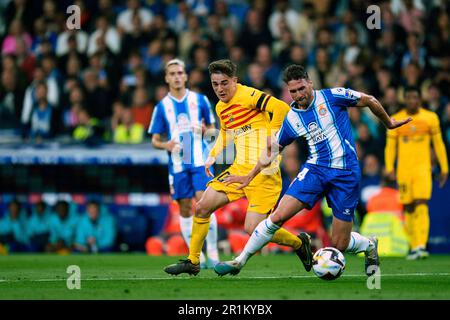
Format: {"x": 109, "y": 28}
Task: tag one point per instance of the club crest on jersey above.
{"x": 322, "y": 110}
{"x": 317, "y": 134}
{"x": 183, "y": 123}
{"x": 230, "y": 118}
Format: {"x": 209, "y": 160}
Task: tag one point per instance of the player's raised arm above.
{"x": 377, "y": 109}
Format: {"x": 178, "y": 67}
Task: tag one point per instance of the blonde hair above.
{"x": 175, "y": 62}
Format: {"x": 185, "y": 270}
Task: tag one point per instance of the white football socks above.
{"x": 358, "y": 243}
{"x": 262, "y": 235}
{"x": 186, "y": 231}
{"x": 211, "y": 239}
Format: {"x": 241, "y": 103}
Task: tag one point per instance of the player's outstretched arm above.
{"x": 267, "y": 156}
{"x": 377, "y": 109}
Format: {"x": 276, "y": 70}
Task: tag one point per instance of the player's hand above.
{"x": 395, "y": 124}
{"x": 442, "y": 179}
{"x": 243, "y": 180}
{"x": 209, "y": 162}
{"x": 391, "y": 176}
{"x": 173, "y": 146}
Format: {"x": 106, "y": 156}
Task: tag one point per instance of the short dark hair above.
{"x": 224, "y": 66}
{"x": 411, "y": 89}
{"x": 295, "y": 72}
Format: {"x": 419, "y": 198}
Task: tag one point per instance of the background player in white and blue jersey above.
{"x": 182, "y": 116}
{"x": 331, "y": 171}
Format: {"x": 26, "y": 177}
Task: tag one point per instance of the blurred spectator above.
{"x": 190, "y": 37}
{"x": 347, "y": 23}
{"x": 96, "y": 231}
{"x": 255, "y": 77}
{"x": 415, "y": 52}
{"x": 108, "y": 32}
{"x": 141, "y": 108}
{"x": 71, "y": 54}
{"x": 118, "y": 108}
{"x": 128, "y": 131}
{"x": 25, "y": 60}
{"x": 367, "y": 141}
{"x": 89, "y": 130}
{"x": 384, "y": 79}
{"x": 390, "y": 49}
{"x": 48, "y": 63}
{"x": 43, "y": 117}
{"x": 134, "y": 17}
{"x": 30, "y": 94}
{"x": 177, "y": 14}
{"x": 13, "y": 236}
{"x": 152, "y": 58}
{"x": 38, "y": 227}
{"x": 63, "y": 226}
{"x": 16, "y": 33}
{"x": 389, "y": 100}
{"x": 106, "y": 9}
{"x": 226, "y": 18}
{"x": 62, "y": 44}
{"x": 324, "y": 74}
{"x": 434, "y": 101}
{"x": 282, "y": 14}
{"x": 254, "y": 33}
{"x": 281, "y": 47}
{"x": 52, "y": 17}
{"x": 41, "y": 34}
{"x": 370, "y": 180}
{"x": 97, "y": 99}
{"x": 20, "y": 10}
{"x": 11, "y": 97}
{"x": 271, "y": 70}
{"x": 410, "y": 13}
{"x": 326, "y": 41}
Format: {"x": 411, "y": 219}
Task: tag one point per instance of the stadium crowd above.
{"x": 100, "y": 83}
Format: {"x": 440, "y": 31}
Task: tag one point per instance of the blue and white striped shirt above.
{"x": 181, "y": 120}
{"x": 326, "y": 126}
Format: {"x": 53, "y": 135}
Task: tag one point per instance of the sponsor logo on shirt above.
{"x": 317, "y": 134}
{"x": 243, "y": 129}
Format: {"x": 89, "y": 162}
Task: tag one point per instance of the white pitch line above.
{"x": 237, "y": 277}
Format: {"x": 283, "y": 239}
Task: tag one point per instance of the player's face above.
{"x": 412, "y": 101}
{"x": 224, "y": 86}
{"x": 176, "y": 77}
{"x": 301, "y": 92}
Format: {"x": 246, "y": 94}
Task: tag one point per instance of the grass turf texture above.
{"x": 270, "y": 277}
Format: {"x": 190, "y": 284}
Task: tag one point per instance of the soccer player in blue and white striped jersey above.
{"x": 331, "y": 171}
{"x": 182, "y": 115}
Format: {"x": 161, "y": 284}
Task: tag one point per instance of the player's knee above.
{"x": 249, "y": 228}
{"x": 276, "y": 218}
{"x": 185, "y": 211}
{"x": 340, "y": 242}
{"x": 202, "y": 210}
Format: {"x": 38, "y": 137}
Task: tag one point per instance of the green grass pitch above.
{"x": 270, "y": 277}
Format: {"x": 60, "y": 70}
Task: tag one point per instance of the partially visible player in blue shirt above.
{"x": 38, "y": 227}
{"x": 182, "y": 116}
{"x": 331, "y": 171}
{"x": 96, "y": 231}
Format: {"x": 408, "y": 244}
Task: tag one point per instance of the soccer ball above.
{"x": 328, "y": 263}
